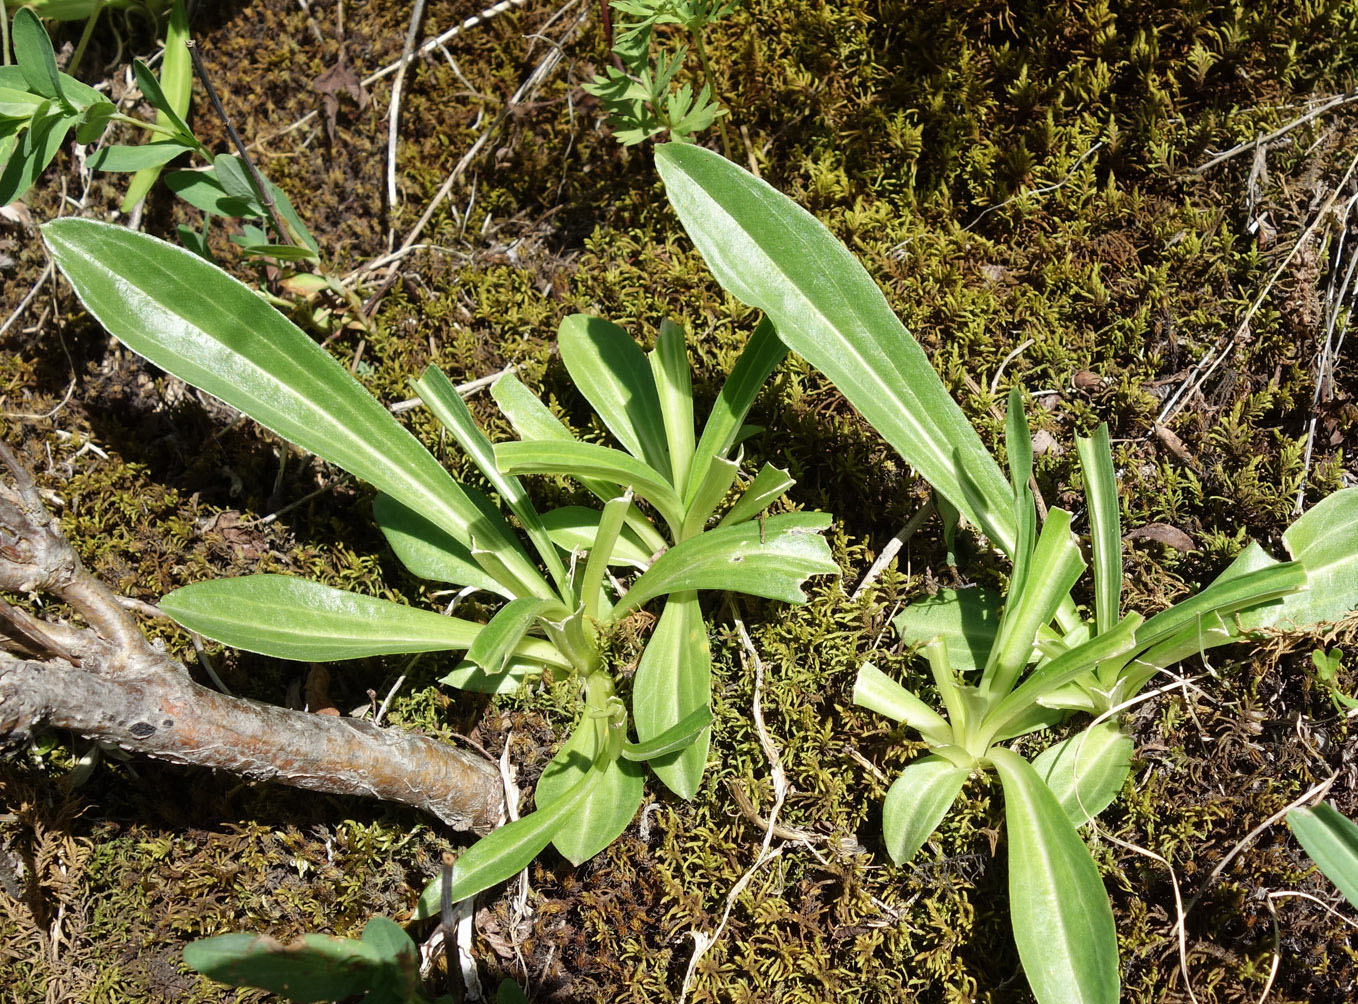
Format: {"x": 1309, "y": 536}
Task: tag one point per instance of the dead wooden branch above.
{"x": 108, "y": 682}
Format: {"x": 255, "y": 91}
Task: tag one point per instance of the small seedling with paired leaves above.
{"x": 40, "y": 106}
{"x": 1003, "y": 665}
{"x": 1326, "y": 663}
{"x": 667, "y": 528}
{"x": 642, "y": 96}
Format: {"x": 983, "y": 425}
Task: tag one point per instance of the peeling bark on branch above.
{"x": 108, "y": 682}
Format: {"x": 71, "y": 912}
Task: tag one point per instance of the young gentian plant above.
{"x": 1003, "y": 666}
{"x": 562, "y": 601}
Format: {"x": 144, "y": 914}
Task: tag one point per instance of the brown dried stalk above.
{"x": 109, "y": 683}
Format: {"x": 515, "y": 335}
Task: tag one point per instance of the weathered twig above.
{"x": 109, "y": 683}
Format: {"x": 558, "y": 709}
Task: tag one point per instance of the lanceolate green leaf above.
{"x": 773, "y": 255}
{"x": 1332, "y": 841}
{"x": 874, "y": 690}
{"x": 289, "y": 617}
{"x": 493, "y": 647}
{"x": 967, "y": 619}
{"x": 768, "y": 486}
{"x": 176, "y": 80}
{"x": 735, "y": 558}
{"x": 761, "y": 354}
{"x": 917, "y": 802}
{"x": 673, "y": 384}
{"x": 673, "y": 682}
{"x": 1063, "y": 925}
{"x": 314, "y": 968}
{"x": 1223, "y": 596}
{"x": 428, "y": 551}
{"x": 136, "y": 158}
{"x": 192, "y": 319}
{"x": 1105, "y": 525}
{"x": 33, "y": 152}
{"x": 33, "y": 52}
{"x": 575, "y": 528}
{"x": 593, "y": 461}
{"x": 612, "y": 372}
{"x": 1086, "y": 771}
{"x": 673, "y": 739}
{"x": 442, "y": 398}
{"x": 610, "y": 805}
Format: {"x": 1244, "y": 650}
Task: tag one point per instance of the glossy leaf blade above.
{"x": 967, "y": 619}
{"x": 772, "y": 254}
{"x": 735, "y": 558}
{"x": 192, "y": 319}
{"x": 673, "y": 739}
{"x": 768, "y": 486}
{"x": 1105, "y": 525}
{"x": 673, "y": 682}
{"x": 917, "y": 802}
{"x": 575, "y": 528}
{"x": 761, "y": 355}
{"x": 294, "y": 618}
{"x": 1063, "y": 924}
{"x": 497, "y": 641}
{"x": 1331, "y": 840}
{"x": 314, "y": 968}
{"x": 877, "y": 692}
{"x": 591, "y": 460}
{"x": 613, "y": 373}
{"x": 428, "y": 551}
{"x": 1086, "y": 772}
{"x": 674, "y": 387}
{"x": 612, "y": 803}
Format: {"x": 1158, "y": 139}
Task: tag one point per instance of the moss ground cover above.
{"x": 1020, "y": 179}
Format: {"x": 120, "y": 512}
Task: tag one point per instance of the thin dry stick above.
{"x": 703, "y": 942}
{"x": 1335, "y": 102}
{"x": 422, "y": 51}
{"x": 1325, "y": 364}
{"x": 261, "y": 186}
{"x": 394, "y": 109}
{"x": 893, "y": 547}
{"x": 1205, "y": 368}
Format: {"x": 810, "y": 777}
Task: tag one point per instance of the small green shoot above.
{"x": 1326, "y": 664}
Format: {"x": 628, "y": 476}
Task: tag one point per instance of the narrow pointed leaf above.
{"x": 593, "y": 461}
{"x": 917, "y": 802}
{"x": 612, "y": 802}
{"x": 33, "y": 52}
{"x": 1086, "y": 772}
{"x": 673, "y": 739}
{"x": 442, "y": 398}
{"x": 735, "y": 558}
{"x": 1019, "y": 445}
{"x": 612, "y": 372}
{"x": 674, "y": 387}
{"x": 35, "y": 149}
{"x": 294, "y": 618}
{"x": 1225, "y": 595}
{"x": 673, "y": 682}
{"x": 610, "y": 526}
{"x": 512, "y": 677}
{"x": 192, "y": 319}
{"x": 768, "y": 486}
{"x": 204, "y": 192}
{"x": 711, "y": 493}
{"x": 772, "y": 254}
{"x": 1105, "y": 525}
{"x": 1331, "y": 840}
{"x": 1063, "y": 924}
{"x": 176, "y": 80}
{"x": 762, "y": 353}
{"x": 874, "y": 690}
{"x": 136, "y": 158}
{"x": 498, "y": 639}
{"x": 158, "y": 99}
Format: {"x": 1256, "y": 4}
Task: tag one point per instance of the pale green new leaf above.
{"x": 1086, "y": 771}
{"x": 590, "y": 460}
{"x": 674, "y": 387}
{"x": 1105, "y": 526}
{"x": 610, "y": 805}
{"x": 762, "y": 353}
{"x": 512, "y": 677}
{"x": 673, "y": 682}
{"x": 772, "y": 254}
{"x": 1331, "y": 840}
{"x": 673, "y": 739}
{"x": 189, "y": 317}
{"x": 768, "y": 486}
{"x": 874, "y": 690}
{"x": 917, "y": 802}
{"x": 442, "y": 398}
{"x": 575, "y": 527}
{"x": 1062, "y": 922}
{"x": 612, "y": 372}
{"x": 288, "y": 617}
{"x": 500, "y": 637}
{"x": 736, "y": 558}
